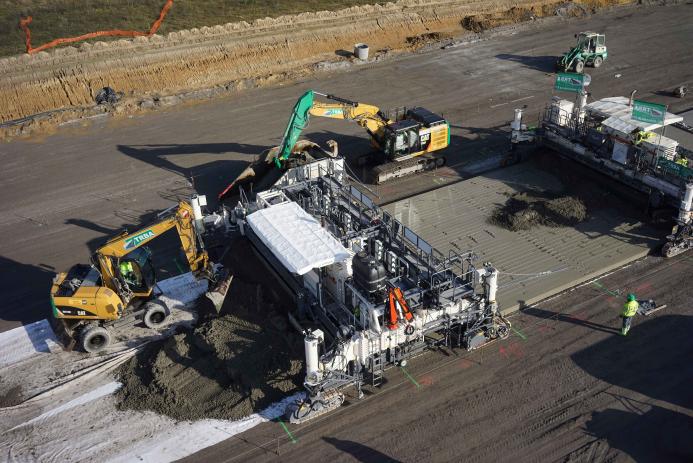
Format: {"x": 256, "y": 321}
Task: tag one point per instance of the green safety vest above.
{"x": 125, "y": 268}
{"x": 630, "y": 308}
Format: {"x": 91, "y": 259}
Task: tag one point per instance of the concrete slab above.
{"x": 533, "y": 264}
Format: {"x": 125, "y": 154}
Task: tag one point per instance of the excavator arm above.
{"x": 180, "y": 217}
{"x": 367, "y": 116}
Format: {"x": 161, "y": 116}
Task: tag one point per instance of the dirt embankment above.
{"x": 239, "y": 55}
{"x": 228, "y": 366}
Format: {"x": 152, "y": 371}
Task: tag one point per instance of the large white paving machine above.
{"x": 370, "y": 293}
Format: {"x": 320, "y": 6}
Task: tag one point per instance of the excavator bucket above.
{"x": 263, "y": 173}
{"x": 217, "y": 292}
{"x": 258, "y": 173}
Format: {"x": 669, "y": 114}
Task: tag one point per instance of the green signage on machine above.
{"x": 652, "y": 113}
{"x": 568, "y": 82}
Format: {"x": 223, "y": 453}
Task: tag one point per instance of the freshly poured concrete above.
{"x": 533, "y": 264}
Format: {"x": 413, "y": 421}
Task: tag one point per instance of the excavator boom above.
{"x": 297, "y": 122}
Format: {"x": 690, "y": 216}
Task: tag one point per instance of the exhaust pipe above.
{"x": 632, "y": 96}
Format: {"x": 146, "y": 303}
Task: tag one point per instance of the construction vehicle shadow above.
{"x": 359, "y": 451}
{"x": 658, "y": 434}
{"x": 25, "y": 291}
{"x": 344, "y": 53}
{"x": 208, "y": 178}
{"x": 566, "y": 318}
{"x": 653, "y": 361}
{"x": 538, "y": 63}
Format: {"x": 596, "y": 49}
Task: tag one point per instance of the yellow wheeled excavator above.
{"x": 88, "y": 299}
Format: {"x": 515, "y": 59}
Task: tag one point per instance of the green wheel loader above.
{"x": 590, "y": 50}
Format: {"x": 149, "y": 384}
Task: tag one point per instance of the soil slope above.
{"x": 239, "y": 55}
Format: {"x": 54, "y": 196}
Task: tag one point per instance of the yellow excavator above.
{"x": 403, "y": 141}
{"x": 88, "y": 299}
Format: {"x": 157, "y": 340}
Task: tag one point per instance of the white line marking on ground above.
{"x": 523, "y": 98}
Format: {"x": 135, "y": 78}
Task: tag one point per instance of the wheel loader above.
{"x": 590, "y": 50}
{"x": 87, "y": 300}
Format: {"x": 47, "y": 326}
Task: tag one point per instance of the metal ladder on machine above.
{"x": 377, "y": 364}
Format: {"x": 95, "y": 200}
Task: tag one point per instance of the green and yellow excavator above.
{"x": 88, "y": 299}
{"x": 403, "y": 142}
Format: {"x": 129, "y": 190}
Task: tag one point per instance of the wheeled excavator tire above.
{"x": 155, "y": 314}
{"x": 94, "y": 338}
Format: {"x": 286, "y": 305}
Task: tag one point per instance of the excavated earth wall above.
{"x": 238, "y": 55}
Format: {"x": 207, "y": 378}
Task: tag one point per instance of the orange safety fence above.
{"x": 24, "y": 25}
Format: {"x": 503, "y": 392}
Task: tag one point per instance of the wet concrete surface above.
{"x": 540, "y": 261}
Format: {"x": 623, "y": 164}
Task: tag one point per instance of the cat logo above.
{"x": 425, "y": 137}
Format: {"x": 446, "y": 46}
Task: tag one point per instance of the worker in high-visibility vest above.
{"x": 127, "y": 271}
{"x": 630, "y": 308}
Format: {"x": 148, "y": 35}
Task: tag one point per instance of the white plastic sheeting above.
{"x": 296, "y": 238}
{"x": 26, "y": 341}
{"x": 618, "y": 112}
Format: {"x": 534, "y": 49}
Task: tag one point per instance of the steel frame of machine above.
{"x": 584, "y": 134}
{"x": 447, "y": 300}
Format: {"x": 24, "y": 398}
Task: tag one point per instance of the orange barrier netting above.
{"x": 24, "y": 25}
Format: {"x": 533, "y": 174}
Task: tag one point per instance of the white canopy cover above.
{"x": 296, "y": 238}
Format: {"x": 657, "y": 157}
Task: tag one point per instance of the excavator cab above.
{"x": 402, "y": 139}
{"x": 137, "y": 271}
{"x": 419, "y": 131}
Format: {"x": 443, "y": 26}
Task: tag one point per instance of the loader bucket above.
{"x": 217, "y": 293}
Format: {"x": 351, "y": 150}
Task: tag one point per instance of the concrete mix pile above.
{"x": 525, "y": 210}
{"x": 227, "y": 367}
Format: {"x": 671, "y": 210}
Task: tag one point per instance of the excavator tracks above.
{"x": 396, "y": 169}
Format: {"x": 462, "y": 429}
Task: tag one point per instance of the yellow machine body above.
{"x": 410, "y": 133}
{"x": 101, "y": 292}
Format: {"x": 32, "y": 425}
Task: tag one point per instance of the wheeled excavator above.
{"x": 403, "y": 143}
{"x": 88, "y": 299}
